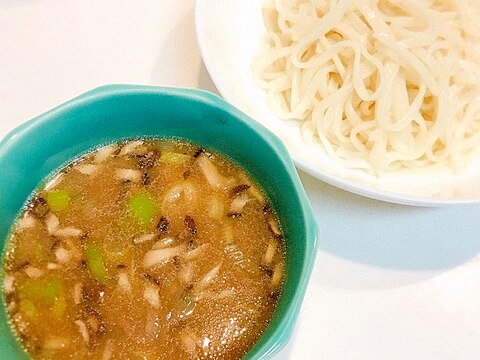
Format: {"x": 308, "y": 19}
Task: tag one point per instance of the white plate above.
{"x": 228, "y": 32}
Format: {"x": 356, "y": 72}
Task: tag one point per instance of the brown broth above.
{"x": 148, "y": 249}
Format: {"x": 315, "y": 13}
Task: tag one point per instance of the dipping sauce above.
{"x": 146, "y": 249}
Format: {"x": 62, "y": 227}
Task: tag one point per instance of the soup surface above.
{"x": 147, "y": 249}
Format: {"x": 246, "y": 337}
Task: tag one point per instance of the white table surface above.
{"x": 390, "y": 282}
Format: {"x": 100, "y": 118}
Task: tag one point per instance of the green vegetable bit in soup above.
{"x": 146, "y": 249}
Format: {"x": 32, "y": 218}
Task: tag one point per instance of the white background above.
{"x": 390, "y": 282}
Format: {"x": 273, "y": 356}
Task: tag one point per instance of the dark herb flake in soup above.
{"x": 147, "y": 249}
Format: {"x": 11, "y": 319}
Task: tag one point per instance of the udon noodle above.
{"x": 378, "y": 85}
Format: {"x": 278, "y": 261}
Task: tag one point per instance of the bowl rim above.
{"x": 280, "y": 335}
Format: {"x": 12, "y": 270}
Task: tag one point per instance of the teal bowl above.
{"x": 37, "y": 149}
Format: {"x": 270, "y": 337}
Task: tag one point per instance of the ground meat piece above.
{"x": 163, "y": 224}
{"x": 190, "y": 224}
{"x": 39, "y": 207}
